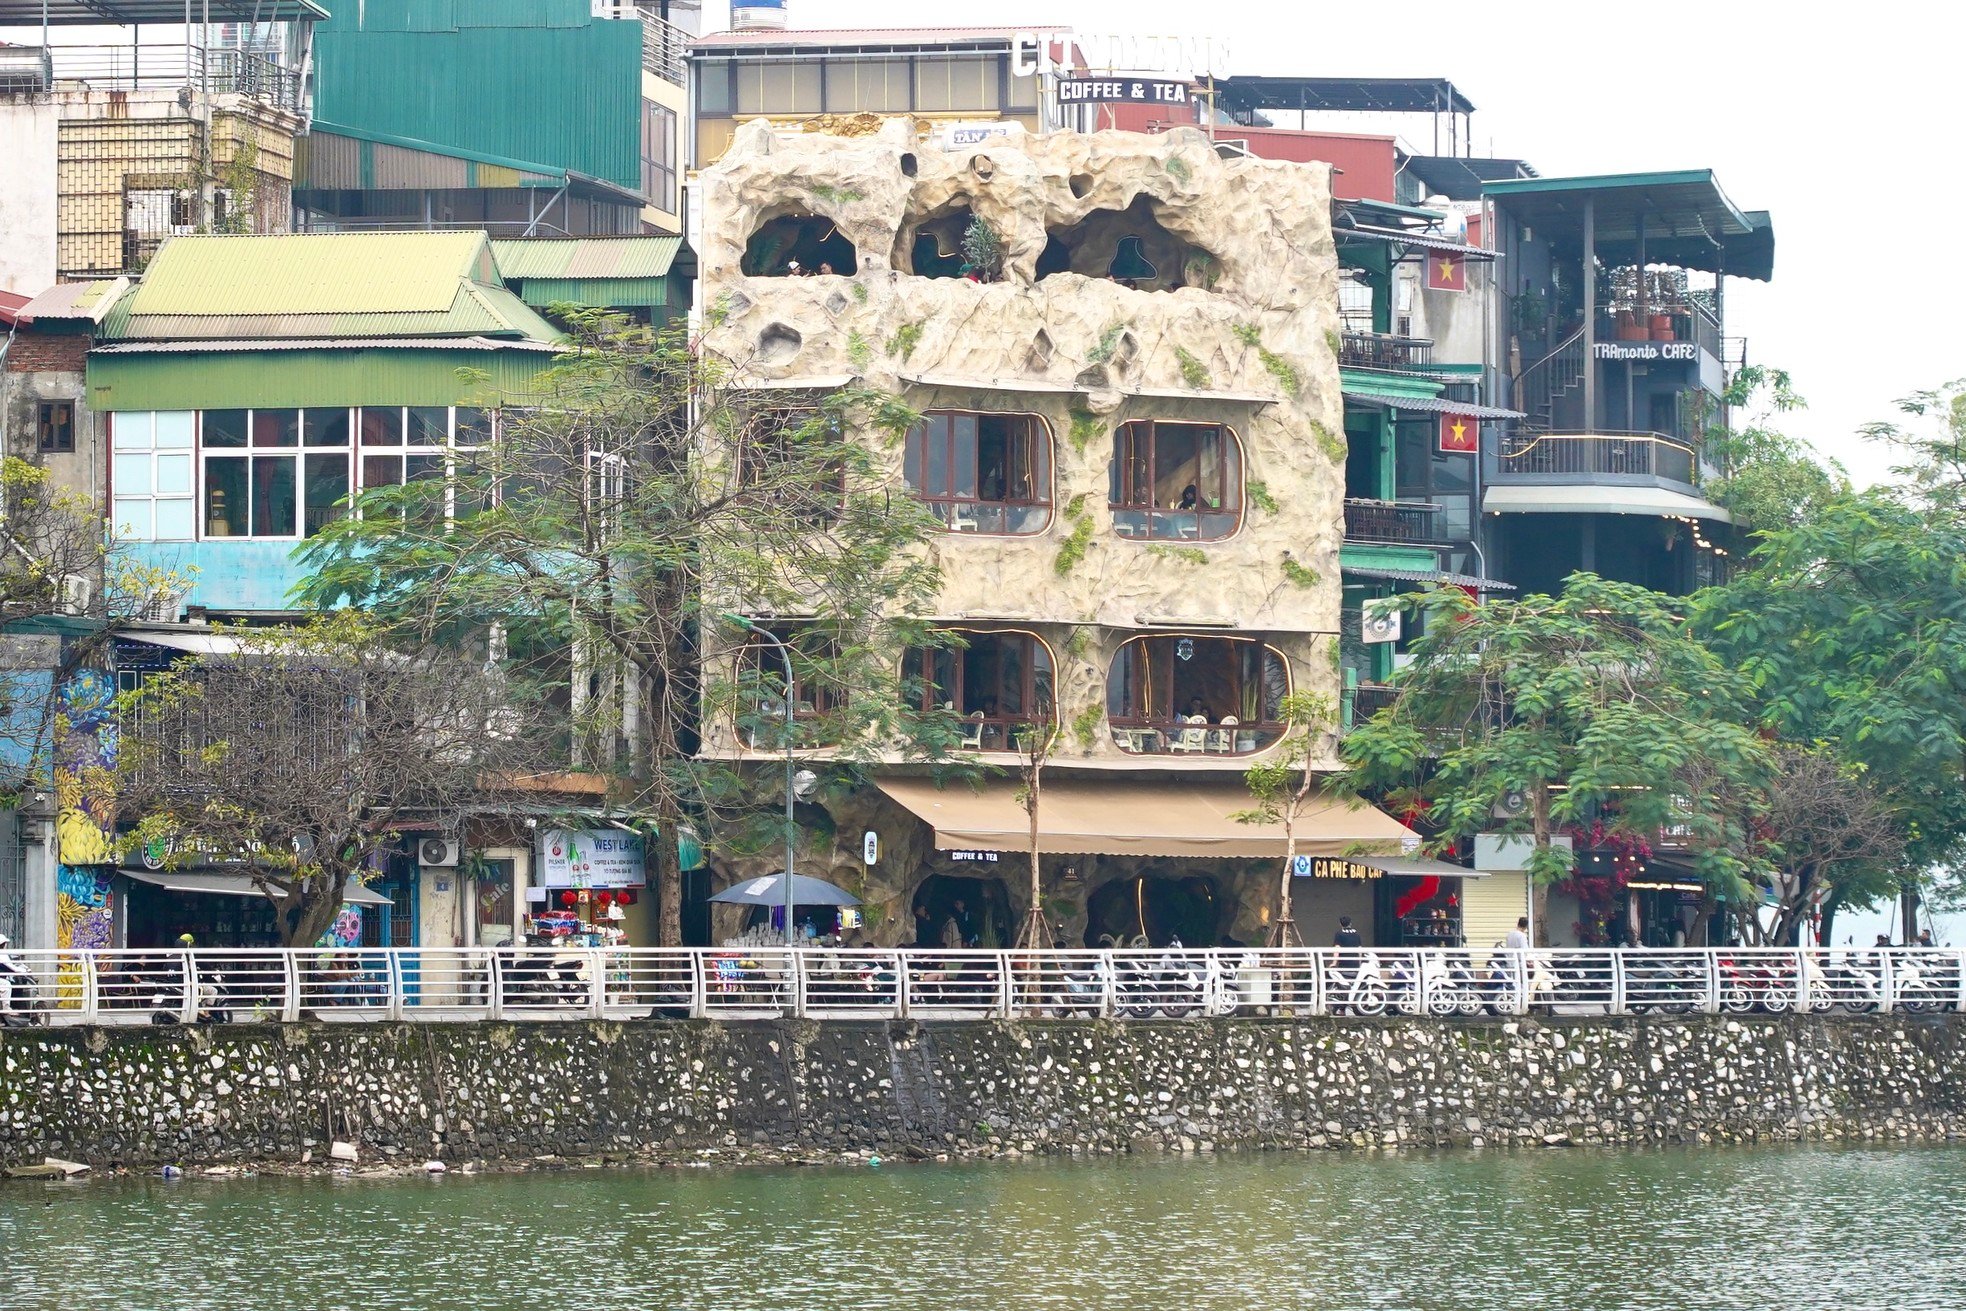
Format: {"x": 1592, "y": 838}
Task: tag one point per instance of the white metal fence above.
{"x": 438, "y": 983}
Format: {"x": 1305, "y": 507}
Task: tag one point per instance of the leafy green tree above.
{"x": 611, "y": 525}
{"x": 300, "y": 756}
{"x": 1769, "y": 480}
{"x": 1597, "y": 707}
{"x": 1850, "y": 628}
{"x": 1284, "y": 785}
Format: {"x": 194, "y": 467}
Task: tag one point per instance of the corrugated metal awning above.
{"x": 1427, "y": 404}
{"x": 227, "y": 884}
{"x": 1424, "y": 240}
{"x": 1429, "y": 576}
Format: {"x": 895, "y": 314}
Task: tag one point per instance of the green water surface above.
{"x": 1565, "y": 1229}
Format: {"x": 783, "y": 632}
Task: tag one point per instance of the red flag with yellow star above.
{"x": 1446, "y": 271}
{"x": 1459, "y": 434}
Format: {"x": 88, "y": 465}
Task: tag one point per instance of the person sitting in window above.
{"x": 1190, "y": 498}
{"x": 1198, "y": 710}
{"x": 992, "y": 489}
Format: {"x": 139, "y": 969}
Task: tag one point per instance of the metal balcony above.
{"x": 1393, "y": 522}
{"x": 1590, "y": 455}
{"x": 1383, "y": 350}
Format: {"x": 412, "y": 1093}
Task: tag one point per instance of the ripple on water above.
{"x": 1455, "y": 1232}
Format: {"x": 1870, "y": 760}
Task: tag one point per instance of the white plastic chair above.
{"x": 1190, "y": 739}
{"x": 1223, "y": 738}
{"x": 973, "y": 731}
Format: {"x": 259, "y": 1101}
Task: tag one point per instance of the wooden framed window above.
{"x": 982, "y": 473}
{"x": 1176, "y": 481}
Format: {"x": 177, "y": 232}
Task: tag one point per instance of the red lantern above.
{"x": 605, "y": 897}
{"x": 569, "y": 897}
{"x": 626, "y": 897}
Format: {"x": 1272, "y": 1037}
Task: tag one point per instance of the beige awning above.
{"x": 1128, "y": 817}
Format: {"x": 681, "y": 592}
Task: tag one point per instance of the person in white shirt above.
{"x": 1518, "y": 939}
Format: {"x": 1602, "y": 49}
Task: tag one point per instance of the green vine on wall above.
{"x": 1186, "y": 554}
{"x": 906, "y": 337}
{"x": 1259, "y": 496}
{"x": 1109, "y": 341}
{"x": 859, "y": 350}
{"x": 1085, "y": 727}
{"x": 1085, "y": 426}
{"x": 1193, "y": 371}
{"x": 1177, "y": 167}
{"x": 1330, "y": 443}
{"x": 1072, "y": 552}
{"x": 1299, "y": 573}
{"x": 836, "y": 195}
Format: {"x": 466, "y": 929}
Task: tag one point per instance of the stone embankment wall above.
{"x": 505, "y": 1093}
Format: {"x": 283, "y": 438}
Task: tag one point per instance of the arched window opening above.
{"x": 1176, "y": 481}
{"x": 996, "y": 682}
{"x": 1129, "y": 246}
{"x": 981, "y": 473}
{"x": 1193, "y": 695}
{"x": 793, "y": 456}
{"x": 799, "y": 245}
{"x": 817, "y": 694}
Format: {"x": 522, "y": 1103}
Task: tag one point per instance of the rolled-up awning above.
{"x": 232, "y": 885}
{"x": 1139, "y": 818}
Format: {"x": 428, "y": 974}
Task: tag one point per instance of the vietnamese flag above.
{"x": 1459, "y": 434}
{"x": 1446, "y": 271}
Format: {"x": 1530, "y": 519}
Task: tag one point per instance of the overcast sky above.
{"x": 1818, "y": 121}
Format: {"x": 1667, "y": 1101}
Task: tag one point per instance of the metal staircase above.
{"x": 1546, "y": 384}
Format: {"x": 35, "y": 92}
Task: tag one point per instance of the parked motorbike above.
{"x": 20, "y": 1000}
{"x": 1750, "y": 984}
{"x": 1433, "y": 987}
{"x": 1665, "y": 984}
{"x": 1174, "y": 986}
{"x": 1358, "y": 986}
{"x": 1924, "y": 983}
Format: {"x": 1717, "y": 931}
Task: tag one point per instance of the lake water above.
{"x": 1570, "y": 1229}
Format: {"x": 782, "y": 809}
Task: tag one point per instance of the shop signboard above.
{"x": 591, "y": 858}
{"x": 1122, "y": 91}
{"x": 1333, "y": 867}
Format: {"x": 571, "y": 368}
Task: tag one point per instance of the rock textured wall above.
{"x": 505, "y": 1093}
{"x": 1245, "y": 337}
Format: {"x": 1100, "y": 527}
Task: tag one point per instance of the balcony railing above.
{"x": 1642, "y": 454}
{"x": 1195, "y": 737}
{"x": 1368, "y": 699}
{"x": 173, "y": 67}
{"x": 1381, "y": 350}
{"x": 1391, "y": 521}
{"x": 436, "y": 984}
{"x": 665, "y": 47}
{"x": 1688, "y": 321}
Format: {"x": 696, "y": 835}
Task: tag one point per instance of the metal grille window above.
{"x": 54, "y": 426}
{"x": 151, "y": 454}
{"x": 982, "y": 473}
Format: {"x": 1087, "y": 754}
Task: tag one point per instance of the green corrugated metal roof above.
{"x": 586, "y": 257}
{"x": 308, "y": 273}
{"x": 357, "y": 285}
{"x": 604, "y": 293}
{"x": 379, "y": 375}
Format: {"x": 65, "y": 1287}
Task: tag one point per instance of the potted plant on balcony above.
{"x": 1668, "y": 289}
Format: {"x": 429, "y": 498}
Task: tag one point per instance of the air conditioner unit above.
{"x": 1380, "y": 623}
{"x": 78, "y": 593}
{"x": 437, "y": 853}
{"x": 1513, "y": 805}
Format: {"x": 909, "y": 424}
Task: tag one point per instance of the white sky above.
{"x": 1824, "y": 116}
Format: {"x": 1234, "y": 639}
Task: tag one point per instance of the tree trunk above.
{"x": 668, "y": 857}
{"x": 304, "y": 914}
{"x": 1539, "y": 891}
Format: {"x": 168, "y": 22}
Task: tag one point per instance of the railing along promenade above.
{"x": 545, "y": 983}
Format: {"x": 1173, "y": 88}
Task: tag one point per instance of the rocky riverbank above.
{"x": 548, "y": 1095}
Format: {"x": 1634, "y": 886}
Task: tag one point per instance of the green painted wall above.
{"x": 236, "y": 379}
{"x": 534, "y": 80}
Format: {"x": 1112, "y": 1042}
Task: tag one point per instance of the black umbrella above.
{"x": 770, "y": 891}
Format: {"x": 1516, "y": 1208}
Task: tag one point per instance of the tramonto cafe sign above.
{"x": 591, "y": 858}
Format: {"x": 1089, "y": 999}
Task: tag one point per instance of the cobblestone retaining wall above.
{"x": 509, "y": 1093}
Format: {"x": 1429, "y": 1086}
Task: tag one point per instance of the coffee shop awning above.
{"x": 227, "y": 884}
{"x": 1137, "y": 818}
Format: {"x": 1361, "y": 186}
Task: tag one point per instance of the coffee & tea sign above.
{"x": 591, "y": 858}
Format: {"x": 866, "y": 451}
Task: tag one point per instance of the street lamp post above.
{"x": 791, "y": 823}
